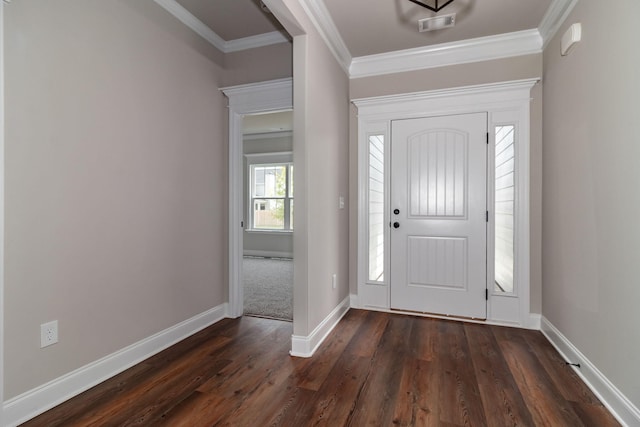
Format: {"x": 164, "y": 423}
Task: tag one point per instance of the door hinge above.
{"x": 487, "y": 138}
{"x": 486, "y": 294}
{"x": 241, "y": 224}
{"x": 487, "y": 216}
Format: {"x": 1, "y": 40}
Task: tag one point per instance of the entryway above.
{"x": 439, "y": 215}
{"x": 443, "y": 206}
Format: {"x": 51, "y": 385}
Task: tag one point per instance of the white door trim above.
{"x": 2, "y": 117}
{"x": 505, "y": 102}
{"x": 254, "y": 98}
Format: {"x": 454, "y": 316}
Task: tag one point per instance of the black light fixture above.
{"x": 434, "y": 5}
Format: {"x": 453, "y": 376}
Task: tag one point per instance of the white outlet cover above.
{"x": 48, "y": 333}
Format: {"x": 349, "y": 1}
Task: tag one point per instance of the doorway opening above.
{"x": 245, "y": 100}
{"x": 268, "y": 180}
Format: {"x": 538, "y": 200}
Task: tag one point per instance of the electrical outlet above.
{"x": 48, "y": 333}
{"x": 334, "y": 281}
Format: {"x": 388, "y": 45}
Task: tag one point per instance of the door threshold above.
{"x": 438, "y": 315}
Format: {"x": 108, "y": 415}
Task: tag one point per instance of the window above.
{"x": 504, "y": 207}
{"x": 376, "y": 208}
{"x": 271, "y": 194}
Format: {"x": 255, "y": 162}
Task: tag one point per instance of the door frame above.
{"x": 505, "y": 103}
{"x": 2, "y": 172}
{"x": 254, "y": 98}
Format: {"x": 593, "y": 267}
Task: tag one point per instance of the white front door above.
{"x": 438, "y": 215}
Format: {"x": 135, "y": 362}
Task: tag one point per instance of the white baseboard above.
{"x": 305, "y": 346}
{"x": 616, "y": 402}
{"x": 34, "y": 402}
{"x": 268, "y": 254}
{"x": 534, "y": 321}
{"x": 353, "y": 301}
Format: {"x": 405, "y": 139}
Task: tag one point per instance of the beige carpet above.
{"x": 268, "y": 287}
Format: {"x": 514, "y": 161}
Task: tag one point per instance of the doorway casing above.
{"x": 504, "y": 103}
{"x": 254, "y": 98}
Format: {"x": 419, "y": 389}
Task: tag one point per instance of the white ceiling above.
{"x": 371, "y": 27}
{"x": 377, "y": 26}
{"x": 232, "y": 19}
{"x": 371, "y": 37}
{"x": 267, "y": 123}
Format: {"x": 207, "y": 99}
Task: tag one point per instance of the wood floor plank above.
{"x": 314, "y": 375}
{"x": 417, "y": 403}
{"x": 563, "y": 376}
{"x": 544, "y": 401}
{"x": 375, "y": 369}
{"x": 501, "y": 399}
{"x": 375, "y": 404}
{"x": 460, "y": 400}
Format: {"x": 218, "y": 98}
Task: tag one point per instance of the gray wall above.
{"x": 279, "y": 244}
{"x": 116, "y": 169}
{"x": 320, "y": 150}
{"x": 521, "y": 67}
{"x": 591, "y": 202}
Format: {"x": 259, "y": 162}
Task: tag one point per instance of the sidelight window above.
{"x": 376, "y": 208}
{"x": 504, "y": 207}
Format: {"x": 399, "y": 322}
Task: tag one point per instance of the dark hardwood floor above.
{"x": 375, "y": 369}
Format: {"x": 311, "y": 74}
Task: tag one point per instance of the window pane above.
{"x": 291, "y": 214}
{"x": 290, "y": 180}
{"x": 376, "y": 208}
{"x": 268, "y": 214}
{"x": 275, "y": 181}
{"x": 504, "y": 207}
{"x": 258, "y": 177}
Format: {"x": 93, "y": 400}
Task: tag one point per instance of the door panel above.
{"x": 438, "y": 188}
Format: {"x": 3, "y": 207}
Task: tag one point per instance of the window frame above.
{"x": 265, "y": 160}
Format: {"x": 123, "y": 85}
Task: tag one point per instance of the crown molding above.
{"x": 472, "y": 50}
{"x": 557, "y": 13}
{"x": 200, "y": 28}
{"x": 259, "y": 40}
{"x": 321, "y": 19}
{"x": 188, "y": 19}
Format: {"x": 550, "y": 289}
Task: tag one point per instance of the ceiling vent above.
{"x": 437, "y": 22}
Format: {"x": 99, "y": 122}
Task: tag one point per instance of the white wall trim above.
{"x": 2, "y": 149}
{"x": 382, "y": 104}
{"x": 353, "y": 301}
{"x": 535, "y": 321}
{"x": 188, "y": 19}
{"x": 555, "y": 16}
{"x": 305, "y": 346}
{"x": 268, "y": 135}
{"x": 268, "y": 254}
{"x": 270, "y": 96}
{"x": 616, "y": 402}
{"x": 461, "y": 52}
{"x": 40, "y": 399}
{"x": 204, "y": 31}
{"x": 260, "y": 40}
{"x": 321, "y": 19}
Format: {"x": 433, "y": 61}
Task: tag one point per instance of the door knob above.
{"x": 396, "y": 224}
{"x": 396, "y": 211}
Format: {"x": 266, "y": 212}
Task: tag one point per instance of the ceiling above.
{"x": 370, "y": 27}
{"x": 232, "y": 19}
{"x": 382, "y": 26}
{"x": 267, "y": 123}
